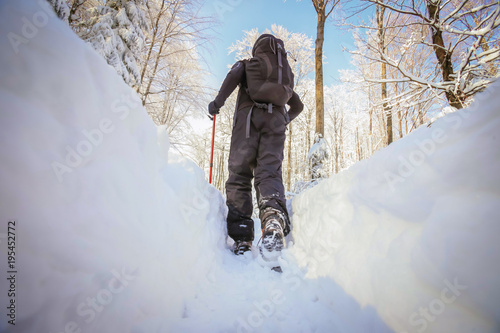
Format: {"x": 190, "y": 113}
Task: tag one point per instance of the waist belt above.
{"x": 268, "y": 106}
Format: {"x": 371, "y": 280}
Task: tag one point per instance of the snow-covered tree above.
{"x": 116, "y": 30}
{"x": 317, "y": 155}
{"x": 347, "y": 118}
{"x": 395, "y": 105}
{"x": 172, "y": 80}
{"x": 462, "y": 36}
{"x": 178, "y": 30}
{"x": 61, "y": 8}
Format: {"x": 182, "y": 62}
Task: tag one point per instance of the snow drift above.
{"x": 104, "y": 226}
{"x": 114, "y": 234}
{"x": 413, "y": 231}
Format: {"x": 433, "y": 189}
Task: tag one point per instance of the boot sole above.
{"x": 273, "y": 241}
{"x": 272, "y": 244}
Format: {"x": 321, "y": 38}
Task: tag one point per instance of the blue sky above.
{"x": 237, "y": 16}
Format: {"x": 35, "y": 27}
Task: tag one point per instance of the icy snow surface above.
{"x": 114, "y": 234}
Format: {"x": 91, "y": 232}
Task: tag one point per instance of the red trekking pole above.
{"x": 212, "y": 152}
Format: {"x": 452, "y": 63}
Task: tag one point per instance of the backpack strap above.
{"x": 236, "y": 105}
{"x": 268, "y": 106}
{"x": 280, "y": 64}
{"x": 277, "y": 49}
{"x": 249, "y": 120}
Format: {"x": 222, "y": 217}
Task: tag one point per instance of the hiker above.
{"x": 258, "y": 137}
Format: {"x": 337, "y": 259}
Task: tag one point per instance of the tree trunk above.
{"x": 396, "y": 92}
{"x": 406, "y": 122}
{"x": 74, "y": 8}
{"x": 492, "y": 69}
{"x": 320, "y": 105}
{"x": 443, "y": 56}
{"x": 335, "y": 143}
{"x": 387, "y": 111}
{"x": 370, "y": 124}
{"x": 341, "y": 141}
{"x": 400, "y": 123}
{"x": 153, "y": 73}
{"x": 420, "y": 115}
{"x": 153, "y": 42}
{"x": 358, "y": 146}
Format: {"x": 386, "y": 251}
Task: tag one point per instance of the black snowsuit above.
{"x": 257, "y": 143}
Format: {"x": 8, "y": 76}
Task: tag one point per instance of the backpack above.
{"x": 268, "y": 75}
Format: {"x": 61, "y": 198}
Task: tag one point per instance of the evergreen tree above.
{"x": 61, "y": 8}
{"x": 116, "y": 30}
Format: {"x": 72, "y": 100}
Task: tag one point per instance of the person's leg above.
{"x": 242, "y": 155}
{"x": 268, "y": 170}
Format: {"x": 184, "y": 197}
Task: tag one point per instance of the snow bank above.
{"x": 108, "y": 235}
{"x": 112, "y": 234}
{"x": 413, "y": 231}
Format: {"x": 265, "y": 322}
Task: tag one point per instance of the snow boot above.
{"x": 241, "y": 247}
{"x": 273, "y": 238}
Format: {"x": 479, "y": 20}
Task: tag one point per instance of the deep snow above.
{"x": 114, "y": 234}
{"x": 413, "y": 231}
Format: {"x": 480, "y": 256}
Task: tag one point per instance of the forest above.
{"x": 414, "y": 62}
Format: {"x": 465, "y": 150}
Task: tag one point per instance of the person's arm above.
{"x": 296, "y": 106}
{"x": 233, "y": 78}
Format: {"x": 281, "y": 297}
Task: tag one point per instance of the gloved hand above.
{"x": 212, "y": 109}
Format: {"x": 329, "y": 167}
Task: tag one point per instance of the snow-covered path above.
{"x": 244, "y": 297}
{"x": 115, "y": 234}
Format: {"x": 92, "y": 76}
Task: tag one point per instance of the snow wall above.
{"x": 113, "y": 234}
{"x": 414, "y": 231}
{"x": 104, "y": 226}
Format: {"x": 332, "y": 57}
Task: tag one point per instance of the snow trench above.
{"x": 114, "y": 233}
